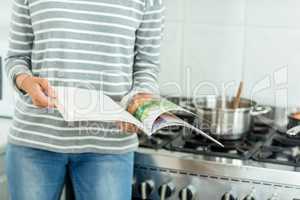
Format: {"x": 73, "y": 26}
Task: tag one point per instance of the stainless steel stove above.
{"x": 175, "y": 164}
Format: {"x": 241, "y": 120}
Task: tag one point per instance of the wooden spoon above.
{"x": 237, "y": 99}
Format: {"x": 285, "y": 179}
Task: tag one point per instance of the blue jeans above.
{"x": 35, "y": 174}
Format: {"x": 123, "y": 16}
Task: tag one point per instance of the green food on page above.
{"x": 144, "y": 110}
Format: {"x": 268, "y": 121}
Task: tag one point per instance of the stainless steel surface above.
{"x": 293, "y": 131}
{"x": 219, "y": 176}
{"x": 226, "y": 123}
{"x": 214, "y": 177}
{"x": 166, "y": 190}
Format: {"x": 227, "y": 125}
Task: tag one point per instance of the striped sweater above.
{"x": 108, "y": 45}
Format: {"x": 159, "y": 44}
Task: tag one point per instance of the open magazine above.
{"x": 76, "y": 104}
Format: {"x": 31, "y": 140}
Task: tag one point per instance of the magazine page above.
{"x": 166, "y": 120}
{"x": 76, "y": 104}
{"x": 151, "y": 110}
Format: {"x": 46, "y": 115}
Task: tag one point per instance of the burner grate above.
{"x": 159, "y": 139}
{"x": 276, "y": 155}
{"x": 280, "y": 149}
{"x": 283, "y": 140}
{"x": 238, "y": 149}
{"x": 261, "y": 144}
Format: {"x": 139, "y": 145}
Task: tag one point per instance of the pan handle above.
{"x": 293, "y": 131}
{"x": 260, "y": 110}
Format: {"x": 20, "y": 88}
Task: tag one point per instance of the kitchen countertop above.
{"x": 4, "y": 127}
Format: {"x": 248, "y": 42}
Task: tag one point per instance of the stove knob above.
{"x": 133, "y": 184}
{"x": 145, "y": 189}
{"x": 166, "y": 190}
{"x": 249, "y": 197}
{"x": 228, "y": 196}
{"x": 187, "y": 193}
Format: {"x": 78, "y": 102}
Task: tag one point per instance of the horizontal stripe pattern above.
{"x": 109, "y": 45}
{"x": 16, "y": 139}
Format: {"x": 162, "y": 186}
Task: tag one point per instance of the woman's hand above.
{"x": 137, "y": 100}
{"x": 39, "y": 89}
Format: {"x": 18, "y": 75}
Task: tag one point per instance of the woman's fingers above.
{"x": 46, "y": 87}
{"x": 138, "y": 100}
{"x": 42, "y": 101}
{"x": 38, "y": 89}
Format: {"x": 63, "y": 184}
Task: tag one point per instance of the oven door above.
{"x": 6, "y": 93}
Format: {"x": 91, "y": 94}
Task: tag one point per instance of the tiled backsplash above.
{"x": 209, "y": 43}
{"x": 219, "y": 41}
{"x": 5, "y": 14}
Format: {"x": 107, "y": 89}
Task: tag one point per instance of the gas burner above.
{"x": 279, "y": 149}
{"x": 195, "y": 143}
{"x": 260, "y": 132}
{"x": 283, "y": 131}
{"x": 283, "y": 140}
{"x": 262, "y": 143}
{"x": 242, "y": 148}
{"x": 278, "y": 155}
{"x": 159, "y": 139}
{"x": 228, "y": 148}
{"x": 238, "y": 149}
{"x": 260, "y": 129}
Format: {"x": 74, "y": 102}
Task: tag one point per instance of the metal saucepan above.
{"x": 224, "y": 122}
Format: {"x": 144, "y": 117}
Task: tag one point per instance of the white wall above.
{"x": 5, "y": 8}
{"x": 220, "y": 41}
{"x": 6, "y": 106}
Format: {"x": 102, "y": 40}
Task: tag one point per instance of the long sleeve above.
{"x": 18, "y": 58}
{"x": 147, "y": 48}
{"x": 146, "y": 66}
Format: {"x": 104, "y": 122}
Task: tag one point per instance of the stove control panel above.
{"x": 249, "y": 197}
{"x": 166, "y": 190}
{"x": 146, "y": 188}
{"x": 187, "y": 193}
{"x": 158, "y": 184}
{"x": 228, "y": 196}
